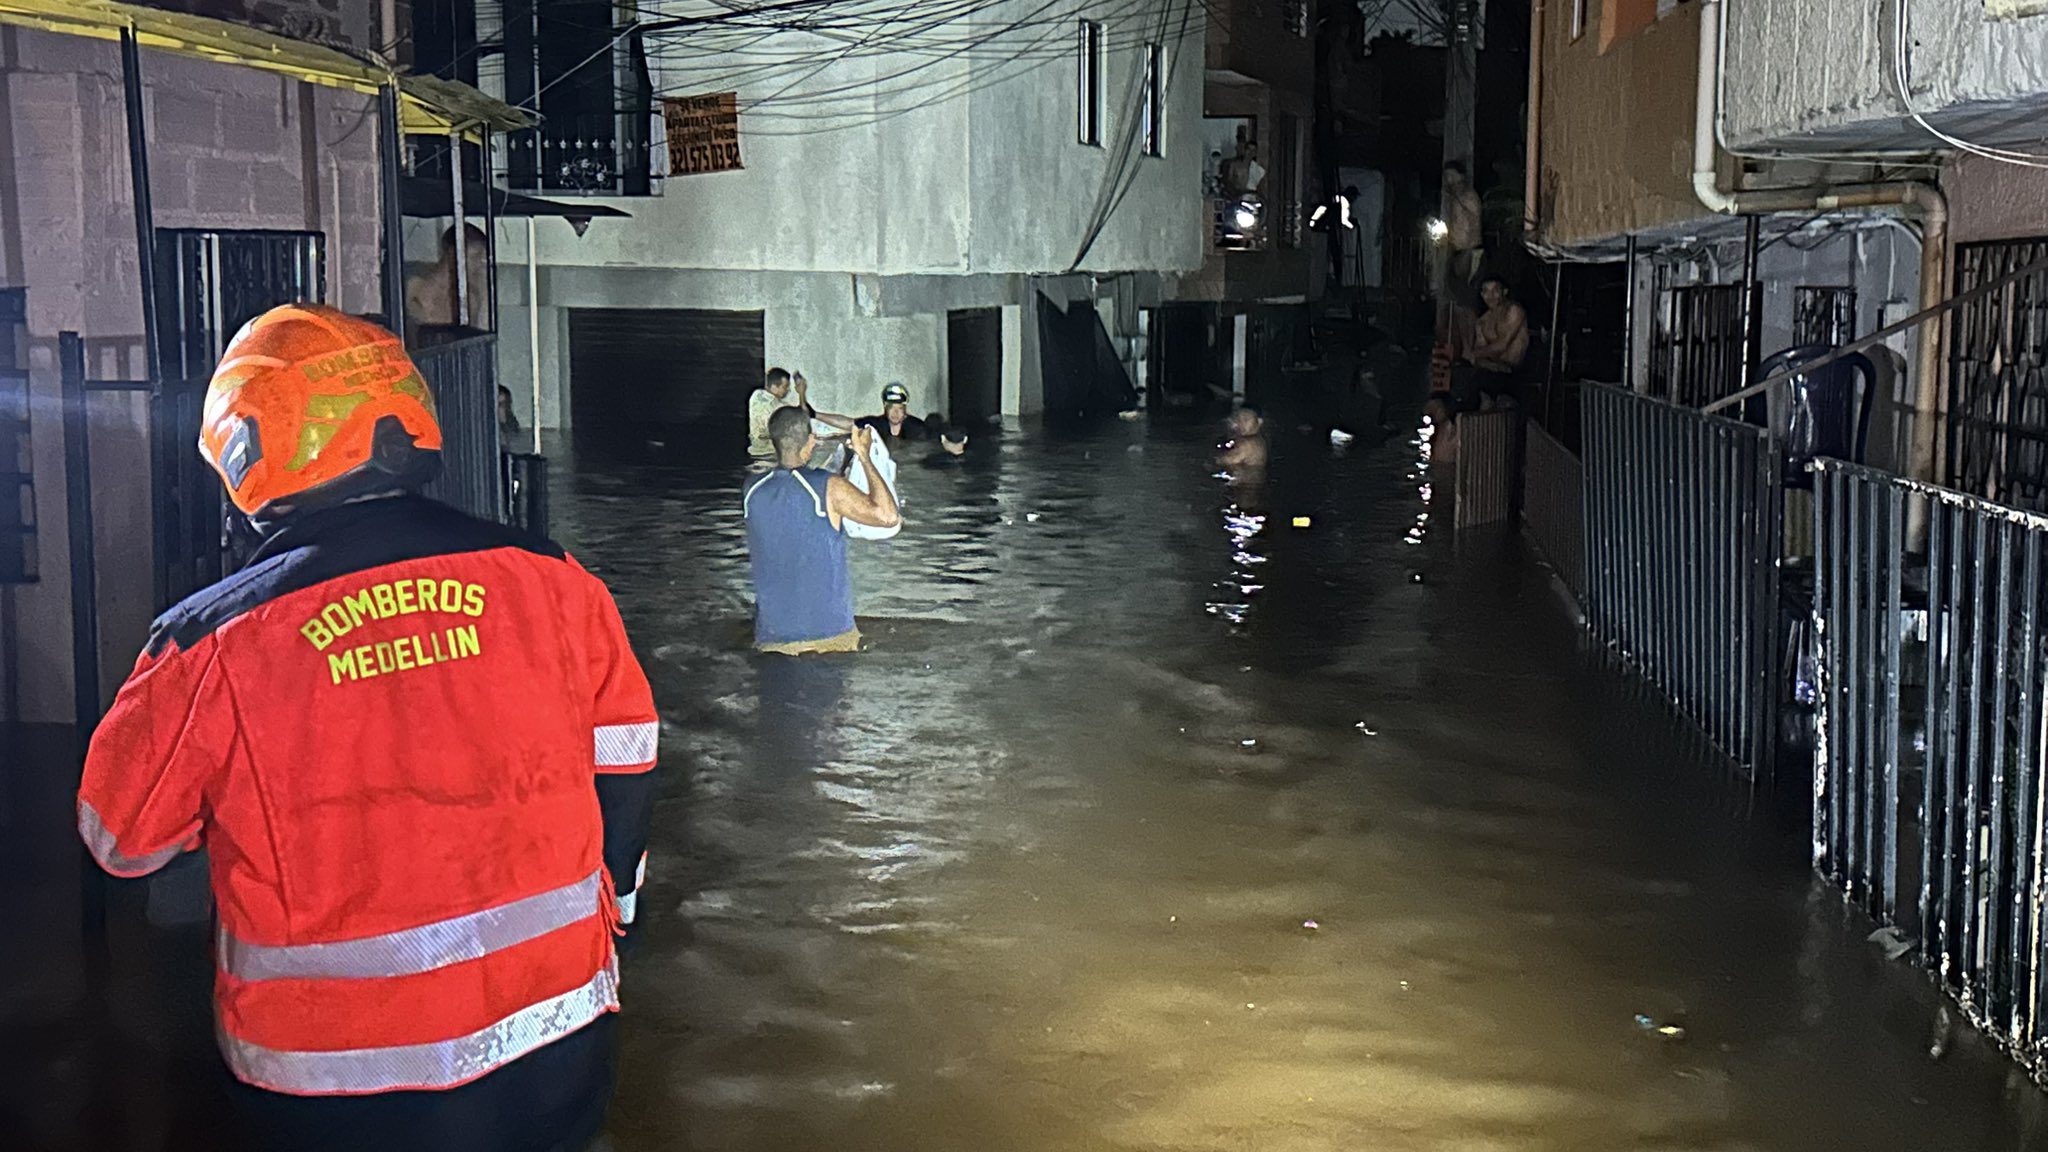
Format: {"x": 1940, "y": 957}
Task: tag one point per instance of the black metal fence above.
{"x": 1697, "y": 348}
{"x": 189, "y": 510}
{"x": 525, "y": 485}
{"x": 463, "y": 376}
{"x": 1684, "y": 525}
{"x": 1486, "y": 466}
{"x": 1553, "y": 509}
{"x": 1998, "y": 377}
{"x": 1932, "y": 667}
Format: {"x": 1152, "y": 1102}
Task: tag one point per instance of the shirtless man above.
{"x": 1245, "y": 451}
{"x": 1489, "y": 369}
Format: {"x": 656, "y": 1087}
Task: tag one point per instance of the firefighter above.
{"x": 416, "y": 747}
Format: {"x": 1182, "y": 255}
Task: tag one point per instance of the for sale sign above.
{"x": 703, "y": 133}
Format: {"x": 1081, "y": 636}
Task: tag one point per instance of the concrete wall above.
{"x": 828, "y": 326}
{"x": 231, "y": 148}
{"x": 881, "y": 191}
{"x": 1989, "y": 200}
{"x": 848, "y": 334}
{"x": 1820, "y": 70}
{"x": 1034, "y": 192}
{"x": 892, "y": 164}
{"x": 1616, "y": 127}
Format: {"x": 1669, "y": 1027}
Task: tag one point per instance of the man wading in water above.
{"x": 796, "y": 540}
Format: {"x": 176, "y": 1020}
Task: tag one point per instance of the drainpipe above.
{"x": 1532, "y": 164}
{"x": 1923, "y": 200}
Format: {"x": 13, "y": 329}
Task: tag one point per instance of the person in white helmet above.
{"x": 896, "y": 422}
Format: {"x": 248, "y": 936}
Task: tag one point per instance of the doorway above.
{"x": 677, "y": 377}
{"x": 974, "y": 365}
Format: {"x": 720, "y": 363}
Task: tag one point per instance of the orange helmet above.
{"x": 311, "y": 405}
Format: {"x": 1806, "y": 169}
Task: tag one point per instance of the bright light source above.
{"x": 1438, "y": 230}
{"x": 1247, "y": 217}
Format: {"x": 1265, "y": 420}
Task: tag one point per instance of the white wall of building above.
{"x": 1821, "y": 70}
{"x": 895, "y": 164}
{"x": 880, "y": 191}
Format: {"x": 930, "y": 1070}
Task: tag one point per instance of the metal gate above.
{"x": 1998, "y": 378}
{"x": 1553, "y": 509}
{"x": 1684, "y": 525}
{"x": 1486, "y": 470}
{"x": 463, "y": 377}
{"x": 1933, "y": 667}
{"x": 1823, "y": 315}
{"x": 1697, "y": 351}
{"x": 209, "y": 284}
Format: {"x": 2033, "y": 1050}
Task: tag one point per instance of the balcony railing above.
{"x": 606, "y": 154}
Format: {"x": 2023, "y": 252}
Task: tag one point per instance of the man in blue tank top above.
{"x": 796, "y": 540}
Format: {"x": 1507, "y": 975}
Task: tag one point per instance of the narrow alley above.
{"x": 1151, "y": 821}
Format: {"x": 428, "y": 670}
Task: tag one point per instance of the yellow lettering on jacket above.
{"x": 388, "y": 601}
{"x": 407, "y": 653}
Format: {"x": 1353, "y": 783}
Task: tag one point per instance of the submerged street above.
{"x": 1149, "y": 821}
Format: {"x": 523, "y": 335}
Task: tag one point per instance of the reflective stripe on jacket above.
{"x": 416, "y": 747}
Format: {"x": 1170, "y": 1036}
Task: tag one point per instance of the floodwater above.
{"x": 1150, "y": 820}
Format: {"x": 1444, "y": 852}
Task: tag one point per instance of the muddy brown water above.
{"x": 1150, "y": 820}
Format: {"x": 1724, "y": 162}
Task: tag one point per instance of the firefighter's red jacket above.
{"x": 393, "y": 732}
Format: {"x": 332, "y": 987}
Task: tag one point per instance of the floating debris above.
{"x": 1667, "y": 1031}
{"x": 1302, "y": 521}
{"x": 1031, "y": 517}
{"x": 1340, "y": 437}
{"x": 1892, "y": 942}
{"x": 1311, "y": 925}
{"x": 1369, "y": 731}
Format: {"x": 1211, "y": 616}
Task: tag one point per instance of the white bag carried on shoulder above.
{"x": 858, "y": 476}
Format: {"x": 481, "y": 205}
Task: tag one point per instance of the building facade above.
{"x": 1661, "y": 129}
{"x": 905, "y": 205}
{"x": 254, "y": 130}
{"x": 1240, "y": 314}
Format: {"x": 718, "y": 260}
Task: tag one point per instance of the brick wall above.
{"x": 230, "y": 148}
{"x": 352, "y": 22}
{"x": 1989, "y": 200}
{"x": 1617, "y": 128}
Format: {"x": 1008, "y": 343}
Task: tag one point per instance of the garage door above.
{"x": 680, "y": 375}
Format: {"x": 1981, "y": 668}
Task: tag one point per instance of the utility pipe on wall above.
{"x": 533, "y": 327}
{"x": 1924, "y": 200}
{"x": 1532, "y": 165}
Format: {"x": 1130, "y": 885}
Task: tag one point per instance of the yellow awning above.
{"x": 427, "y": 104}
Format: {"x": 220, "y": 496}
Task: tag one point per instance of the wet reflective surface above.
{"x": 1150, "y": 820}
{"x": 1147, "y": 821}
